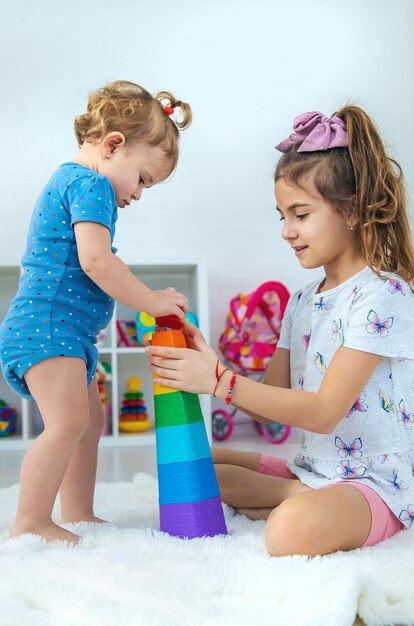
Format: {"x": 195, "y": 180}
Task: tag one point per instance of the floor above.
{"x": 120, "y": 464}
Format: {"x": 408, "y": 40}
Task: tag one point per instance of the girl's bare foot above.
{"x": 255, "y": 514}
{"x": 50, "y": 532}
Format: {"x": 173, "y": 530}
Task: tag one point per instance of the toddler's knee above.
{"x": 73, "y": 427}
{"x": 293, "y": 528}
{"x": 76, "y": 426}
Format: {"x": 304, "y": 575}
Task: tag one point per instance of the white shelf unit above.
{"x": 189, "y": 277}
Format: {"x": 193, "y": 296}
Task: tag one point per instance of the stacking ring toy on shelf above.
{"x": 134, "y": 417}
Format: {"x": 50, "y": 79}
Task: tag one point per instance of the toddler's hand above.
{"x": 169, "y": 302}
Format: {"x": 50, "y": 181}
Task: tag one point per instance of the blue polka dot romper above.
{"x": 58, "y": 310}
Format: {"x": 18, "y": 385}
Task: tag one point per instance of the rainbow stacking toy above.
{"x": 189, "y": 498}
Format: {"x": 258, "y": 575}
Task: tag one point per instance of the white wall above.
{"x": 247, "y": 67}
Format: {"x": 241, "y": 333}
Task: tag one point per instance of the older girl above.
{"x": 343, "y": 370}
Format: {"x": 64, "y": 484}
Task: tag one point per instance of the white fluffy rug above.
{"x": 127, "y": 573}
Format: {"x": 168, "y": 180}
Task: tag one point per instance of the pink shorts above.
{"x": 384, "y": 523}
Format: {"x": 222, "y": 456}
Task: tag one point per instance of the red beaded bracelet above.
{"x": 218, "y": 378}
{"x": 230, "y": 389}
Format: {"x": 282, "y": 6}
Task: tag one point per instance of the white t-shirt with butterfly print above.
{"x": 374, "y": 442}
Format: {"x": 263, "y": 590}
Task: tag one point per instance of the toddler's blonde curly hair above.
{"x": 130, "y": 109}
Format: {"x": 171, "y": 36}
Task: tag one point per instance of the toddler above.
{"x": 128, "y": 142}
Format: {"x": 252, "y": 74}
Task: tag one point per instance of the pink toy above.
{"x": 253, "y": 326}
{"x": 247, "y": 344}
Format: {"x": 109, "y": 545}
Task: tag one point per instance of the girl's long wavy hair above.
{"x": 130, "y": 109}
{"x": 361, "y": 180}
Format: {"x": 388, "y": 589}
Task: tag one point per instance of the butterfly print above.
{"x": 376, "y": 326}
{"x": 386, "y": 401}
{"x": 349, "y": 449}
{"x": 359, "y": 405}
{"x": 346, "y": 471}
{"x": 355, "y": 294}
{"x": 320, "y": 362}
{"x": 323, "y": 304}
{"x": 394, "y": 286}
{"x": 396, "y": 484}
{"x": 403, "y": 416}
{"x": 407, "y": 515}
{"x": 306, "y": 340}
{"x": 337, "y": 331}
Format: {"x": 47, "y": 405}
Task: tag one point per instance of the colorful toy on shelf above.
{"x": 145, "y": 325}
{"x": 189, "y": 497}
{"x": 8, "y": 417}
{"x": 134, "y": 417}
{"x": 104, "y": 375}
{"x": 127, "y": 334}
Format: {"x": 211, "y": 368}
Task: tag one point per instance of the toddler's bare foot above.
{"x": 95, "y": 520}
{"x": 90, "y": 519}
{"x": 50, "y": 532}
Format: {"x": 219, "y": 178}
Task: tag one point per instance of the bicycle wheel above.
{"x": 258, "y": 426}
{"x": 274, "y": 432}
{"x": 222, "y": 424}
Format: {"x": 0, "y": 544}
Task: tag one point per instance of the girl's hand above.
{"x": 188, "y": 369}
{"x": 168, "y": 302}
{"x": 193, "y": 337}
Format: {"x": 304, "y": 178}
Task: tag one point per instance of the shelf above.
{"x": 189, "y": 277}
{"x": 124, "y": 440}
{"x": 131, "y": 350}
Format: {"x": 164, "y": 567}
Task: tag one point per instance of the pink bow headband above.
{"x": 314, "y": 131}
